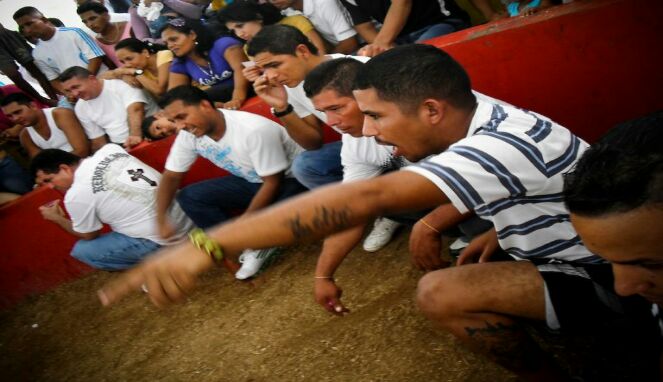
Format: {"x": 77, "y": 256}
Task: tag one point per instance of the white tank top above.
{"x": 57, "y": 140}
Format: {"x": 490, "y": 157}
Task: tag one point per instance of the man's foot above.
{"x": 252, "y": 261}
{"x": 383, "y": 231}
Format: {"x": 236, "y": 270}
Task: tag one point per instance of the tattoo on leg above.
{"x": 509, "y": 345}
{"x": 323, "y": 219}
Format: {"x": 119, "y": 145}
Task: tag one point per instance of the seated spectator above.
{"x": 52, "y": 128}
{"x": 111, "y": 187}
{"x": 109, "y": 110}
{"x": 8, "y": 129}
{"x": 403, "y": 21}
{"x": 245, "y": 19}
{"x": 255, "y": 150}
{"x": 212, "y": 65}
{"x": 116, "y": 8}
{"x": 13, "y": 49}
{"x": 158, "y": 127}
{"x": 144, "y": 65}
{"x": 330, "y": 20}
{"x": 59, "y": 48}
{"x": 149, "y": 17}
{"x": 95, "y": 16}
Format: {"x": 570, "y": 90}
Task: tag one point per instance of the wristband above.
{"x": 429, "y": 226}
{"x": 279, "y": 114}
{"x": 204, "y": 243}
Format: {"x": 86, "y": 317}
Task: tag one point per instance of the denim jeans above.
{"x": 315, "y": 168}
{"x": 113, "y": 251}
{"x": 13, "y": 178}
{"x": 430, "y": 31}
{"x": 213, "y": 201}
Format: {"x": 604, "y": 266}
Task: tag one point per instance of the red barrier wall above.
{"x": 587, "y": 65}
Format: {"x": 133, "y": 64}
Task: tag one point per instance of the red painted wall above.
{"x": 587, "y": 65}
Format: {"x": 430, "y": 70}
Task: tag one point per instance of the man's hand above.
{"x": 252, "y": 73}
{"x": 372, "y": 50}
{"x": 233, "y": 104}
{"x": 328, "y": 295}
{"x": 131, "y": 81}
{"x": 132, "y": 141}
{"x": 480, "y": 249}
{"x": 425, "y": 247}
{"x": 12, "y": 133}
{"x": 168, "y": 276}
{"x": 166, "y": 229}
{"x": 273, "y": 94}
{"x": 52, "y": 211}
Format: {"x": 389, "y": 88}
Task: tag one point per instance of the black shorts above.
{"x": 582, "y": 297}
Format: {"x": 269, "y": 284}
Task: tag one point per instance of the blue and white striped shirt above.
{"x": 509, "y": 170}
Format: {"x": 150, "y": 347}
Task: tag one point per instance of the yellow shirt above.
{"x": 298, "y": 21}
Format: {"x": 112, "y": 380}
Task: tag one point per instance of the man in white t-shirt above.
{"x": 328, "y": 17}
{"x": 59, "y": 48}
{"x": 256, "y": 151}
{"x": 109, "y": 110}
{"x": 111, "y": 187}
{"x": 52, "y": 128}
{"x": 504, "y": 163}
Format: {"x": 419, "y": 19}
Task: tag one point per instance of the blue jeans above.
{"x": 213, "y": 201}
{"x": 315, "y": 168}
{"x": 113, "y": 251}
{"x": 430, "y": 31}
{"x": 13, "y": 178}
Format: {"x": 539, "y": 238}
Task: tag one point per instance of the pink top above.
{"x": 109, "y": 49}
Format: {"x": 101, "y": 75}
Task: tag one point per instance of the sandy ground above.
{"x": 268, "y": 330}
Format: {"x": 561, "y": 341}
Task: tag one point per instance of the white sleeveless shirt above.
{"x": 57, "y": 140}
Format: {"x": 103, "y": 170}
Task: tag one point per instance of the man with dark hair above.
{"x": 501, "y": 162}
{"x": 284, "y": 56}
{"x": 96, "y": 17}
{"x": 59, "y": 48}
{"x": 52, "y": 128}
{"x": 111, "y": 187}
{"x": 109, "y": 110}
{"x": 256, "y": 151}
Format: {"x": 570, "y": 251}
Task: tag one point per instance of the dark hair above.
{"x": 137, "y": 46}
{"x": 189, "y": 95}
{"x": 338, "y": 75}
{"x": 49, "y": 161}
{"x": 74, "y": 71}
{"x": 91, "y": 6}
{"x": 27, "y": 11}
{"x": 621, "y": 171}
{"x": 408, "y": 74}
{"x": 145, "y": 127}
{"x": 19, "y": 98}
{"x": 244, "y": 11}
{"x": 279, "y": 39}
{"x": 55, "y": 21}
{"x": 204, "y": 37}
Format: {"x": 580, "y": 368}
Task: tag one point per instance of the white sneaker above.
{"x": 251, "y": 261}
{"x": 459, "y": 244}
{"x": 383, "y": 231}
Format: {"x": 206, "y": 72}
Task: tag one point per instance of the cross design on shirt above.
{"x": 137, "y": 175}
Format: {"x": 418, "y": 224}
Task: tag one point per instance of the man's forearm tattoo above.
{"x": 324, "y": 219}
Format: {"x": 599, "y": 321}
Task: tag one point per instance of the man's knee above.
{"x": 84, "y": 251}
{"x": 438, "y": 295}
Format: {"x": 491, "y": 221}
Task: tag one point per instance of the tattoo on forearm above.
{"x": 507, "y": 344}
{"x": 324, "y": 219}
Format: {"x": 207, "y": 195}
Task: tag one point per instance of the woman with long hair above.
{"x": 214, "y": 65}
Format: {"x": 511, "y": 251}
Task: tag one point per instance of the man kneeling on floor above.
{"x": 256, "y": 151}
{"x": 111, "y": 187}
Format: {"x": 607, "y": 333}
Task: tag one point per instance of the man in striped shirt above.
{"x": 505, "y": 164}
{"x": 58, "y": 49}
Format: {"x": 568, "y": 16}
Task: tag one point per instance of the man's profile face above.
{"x": 386, "y": 122}
{"x": 24, "y": 115}
{"x": 342, "y": 112}
{"x": 631, "y": 241}
{"x": 95, "y": 21}
{"x": 34, "y": 26}
{"x": 81, "y": 88}
{"x": 282, "y": 69}
{"x": 61, "y": 180}
{"x": 188, "y": 117}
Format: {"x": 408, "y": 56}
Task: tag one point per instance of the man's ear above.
{"x": 206, "y": 105}
{"x": 302, "y": 51}
{"x": 65, "y": 168}
{"x": 433, "y": 110}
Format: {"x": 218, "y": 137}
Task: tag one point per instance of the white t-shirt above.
{"x": 107, "y": 114}
{"x": 509, "y": 170}
{"x": 329, "y": 17}
{"x": 117, "y": 189}
{"x": 68, "y": 47}
{"x": 251, "y": 147}
{"x": 57, "y": 140}
{"x": 364, "y": 158}
{"x": 302, "y": 105}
